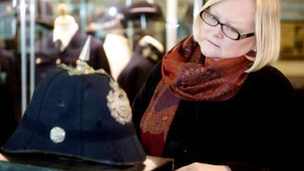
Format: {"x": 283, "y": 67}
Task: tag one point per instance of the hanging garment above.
{"x": 147, "y": 53}
{"x": 9, "y": 94}
{"x": 48, "y": 54}
{"x": 119, "y": 56}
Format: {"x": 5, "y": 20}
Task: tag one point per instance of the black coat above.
{"x": 258, "y": 128}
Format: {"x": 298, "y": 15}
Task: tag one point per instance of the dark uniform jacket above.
{"x": 257, "y": 128}
{"x": 47, "y": 53}
{"x": 10, "y": 93}
{"x": 134, "y": 75}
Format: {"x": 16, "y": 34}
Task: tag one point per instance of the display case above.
{"x": 26, "y": 44}
{"x": 53, "y": 163}
{"x": 30, "y": 48}
{"x": 26, "y": 24}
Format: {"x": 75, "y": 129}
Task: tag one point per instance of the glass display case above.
{"x": 37, "y": 35}
{"x": 28, "y": 49}
{"x": 28, "y": 162}
{"x": 26, "y": 27}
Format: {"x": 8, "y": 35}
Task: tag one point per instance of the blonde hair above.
{"x": 267, "y": 32}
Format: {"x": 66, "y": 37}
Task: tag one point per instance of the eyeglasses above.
{"x": 228, "y": 31}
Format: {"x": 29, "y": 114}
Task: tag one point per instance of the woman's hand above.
{"x": 204, "y": 167}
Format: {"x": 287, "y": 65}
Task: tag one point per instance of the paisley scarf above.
{"x": 188, "y": 75}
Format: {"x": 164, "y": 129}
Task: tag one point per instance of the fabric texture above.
{"x": 193, "y": 77}
{"x": 188, "y": 75}
{"x": 134, "y": 75}
{"x": 245, "y": 132}
{"x": 86, "y": 116}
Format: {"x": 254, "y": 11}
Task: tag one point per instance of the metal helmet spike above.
{"x": 85, "y": 52}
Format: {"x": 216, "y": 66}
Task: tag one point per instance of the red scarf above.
{"x": 188, "y": 75}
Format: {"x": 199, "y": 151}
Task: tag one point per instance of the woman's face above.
{"x": 238, "y": 14}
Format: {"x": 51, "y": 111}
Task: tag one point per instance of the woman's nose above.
{"x": 217, "y": 31}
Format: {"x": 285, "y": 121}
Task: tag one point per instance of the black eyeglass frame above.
{"x": 240, "y": 36}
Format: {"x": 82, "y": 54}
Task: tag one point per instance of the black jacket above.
{"x": 258, "y": 128}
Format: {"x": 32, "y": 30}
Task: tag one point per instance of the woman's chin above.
{"x": 215, "y": 58}
{"x": 210, "y": 54}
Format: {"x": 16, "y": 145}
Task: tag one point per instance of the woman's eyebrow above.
{"x": 233, "y": 24}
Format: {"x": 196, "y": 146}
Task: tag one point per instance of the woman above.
{"x": 214, "y": 102}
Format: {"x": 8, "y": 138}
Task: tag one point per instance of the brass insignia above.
{"x": 118, "y": 104}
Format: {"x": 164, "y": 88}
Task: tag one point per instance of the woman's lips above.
{"x": 213, "y": 43}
